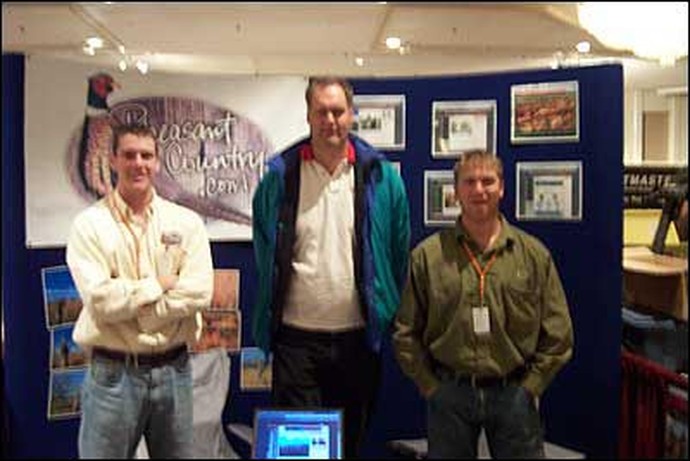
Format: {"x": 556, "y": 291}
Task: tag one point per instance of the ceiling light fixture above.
{"x": 95, "y": 42}
{"x": 583, "y": 47}
{"x": 91, "y": 51}
{"x": 91, "y": 44}
{"x": 142, "y": 66}
{"x": 652, "y": 30}
{"x": 393, "y": 43}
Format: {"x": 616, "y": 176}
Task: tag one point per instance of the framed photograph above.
{"x": 461, "y": 126}
{"x": 64, "y": 352}
{"x": 60, "y": 297}
{"x": 255, "y": 373}
{"x": 380, "y": 120}
{"x": 64, "y": 399}
{"x": 549, "y": 191}
{"x": 226, "y": 289}
{"x": 544, "y": 112}
{"x": 440, "y": 206}
{"x": 222, "y": 329}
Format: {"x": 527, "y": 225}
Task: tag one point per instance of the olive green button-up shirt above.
{"x": 528, "y": 313}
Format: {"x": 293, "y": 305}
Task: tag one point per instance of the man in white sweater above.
{"x": 143, "y": 268}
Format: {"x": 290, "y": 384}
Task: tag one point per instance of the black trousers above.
{"x": 328, "y": 370}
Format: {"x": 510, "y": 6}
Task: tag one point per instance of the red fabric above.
{"x": 306, "y": 152}
{"x": 644, "y": 402}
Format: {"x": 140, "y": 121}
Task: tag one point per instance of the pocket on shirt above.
{"x": 521, "y": 304}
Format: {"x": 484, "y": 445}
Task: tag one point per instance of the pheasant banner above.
{"x": 214, "y": 136}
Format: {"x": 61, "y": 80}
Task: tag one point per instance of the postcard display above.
{"x": 574, "y": 157}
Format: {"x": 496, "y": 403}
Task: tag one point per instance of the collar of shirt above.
{"x": 306, "y": 152}
{"x": 126, "y": 212}
{"x": 505, "y": 238}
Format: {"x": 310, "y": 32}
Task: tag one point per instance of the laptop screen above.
{"x": 298, "y": 434}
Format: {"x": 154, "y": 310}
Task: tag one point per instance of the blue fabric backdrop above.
{"x": 580, "y": 409}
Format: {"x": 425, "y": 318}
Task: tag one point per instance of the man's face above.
{"x": 329, "y": 116}
{"x": 479, "y": 191}
{"x": 136, "y": 164}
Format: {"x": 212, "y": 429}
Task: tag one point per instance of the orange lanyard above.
{"x": 481, "y": 272}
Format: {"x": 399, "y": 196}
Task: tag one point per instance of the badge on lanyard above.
{"x": 480, "y": 320}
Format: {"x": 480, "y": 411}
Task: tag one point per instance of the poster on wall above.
{"x": 461, "y": 126}
{"x": 440, "y": 206}
{"x": 549, "y": 191}
{"x": 64, "y": 399}
{"x": 380, "y": 120}
{"x": 545, "y": 112}
{"x": 255, "y": 373}
{"x": 61, "y": 300}
{"x": 214, "y": 136}
{"x": 67, "y": 360}
{"x": 64, "y": 352}
{"x": 222, "y": 320}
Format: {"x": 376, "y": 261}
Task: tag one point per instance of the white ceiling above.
{"x": 322, "y": 38}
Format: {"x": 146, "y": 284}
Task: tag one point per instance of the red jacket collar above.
{"x": 307, "y": 153}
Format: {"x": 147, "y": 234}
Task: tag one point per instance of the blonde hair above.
{"x": 481, "y": 157}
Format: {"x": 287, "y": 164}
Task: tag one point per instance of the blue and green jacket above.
{"x": 382, "y": 229}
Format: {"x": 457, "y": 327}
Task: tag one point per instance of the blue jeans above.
{"x": 123, "y": 401}
{"x": 457, "y": 412}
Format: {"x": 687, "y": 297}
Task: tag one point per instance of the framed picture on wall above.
{"x": 544, "y": 112}
{"x": 380, "y": 120}
{"x": 461, "y": 126}
{"x": 256, "y": 374}
{"x": 64, "y": 395}
{"x": 549, "y": 191}
{"x": 440, "y": 206}
{"x": 221, "y": 329}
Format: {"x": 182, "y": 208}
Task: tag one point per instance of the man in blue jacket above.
{"x": 331, "y": 239}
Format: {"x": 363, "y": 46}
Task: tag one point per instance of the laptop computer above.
{"x": 298, "y": 433}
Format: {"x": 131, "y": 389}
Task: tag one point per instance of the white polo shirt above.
{"x": 323, "y": 293}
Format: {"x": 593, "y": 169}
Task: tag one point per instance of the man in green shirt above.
{"x": 483, "y": 325}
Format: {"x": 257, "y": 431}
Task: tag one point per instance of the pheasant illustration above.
{"x": 93, "y": 167}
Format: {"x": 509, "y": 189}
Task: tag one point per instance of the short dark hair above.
{"x": 143, "y": 131}
{"x": 329, "y": 80}
{"x": 478, "y": 156}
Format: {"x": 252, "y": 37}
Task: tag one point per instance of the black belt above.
{"x": 288, "y": 333}
{"x": 151, "y": 360}
{"x": 492, "y": 381}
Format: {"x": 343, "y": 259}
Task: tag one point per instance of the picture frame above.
{"x": 222, "y": 328}
{"x": 62, "y": 303}
{"x": 545, "y": 112}
{"x": 440, "y": 206}
{"x": 64, "y": 352}
{"x": 256, "y": 374}
{"x": 380, "y": 120}
{"x": 548, "y": 191}
{"x": 226, "y": 289}
{"x": 462, "y": 126}
{"x": 64, "y": 399}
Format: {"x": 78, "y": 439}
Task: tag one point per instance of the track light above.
{"x": 393, "y": 43}
{"x": 142, "y": 66}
